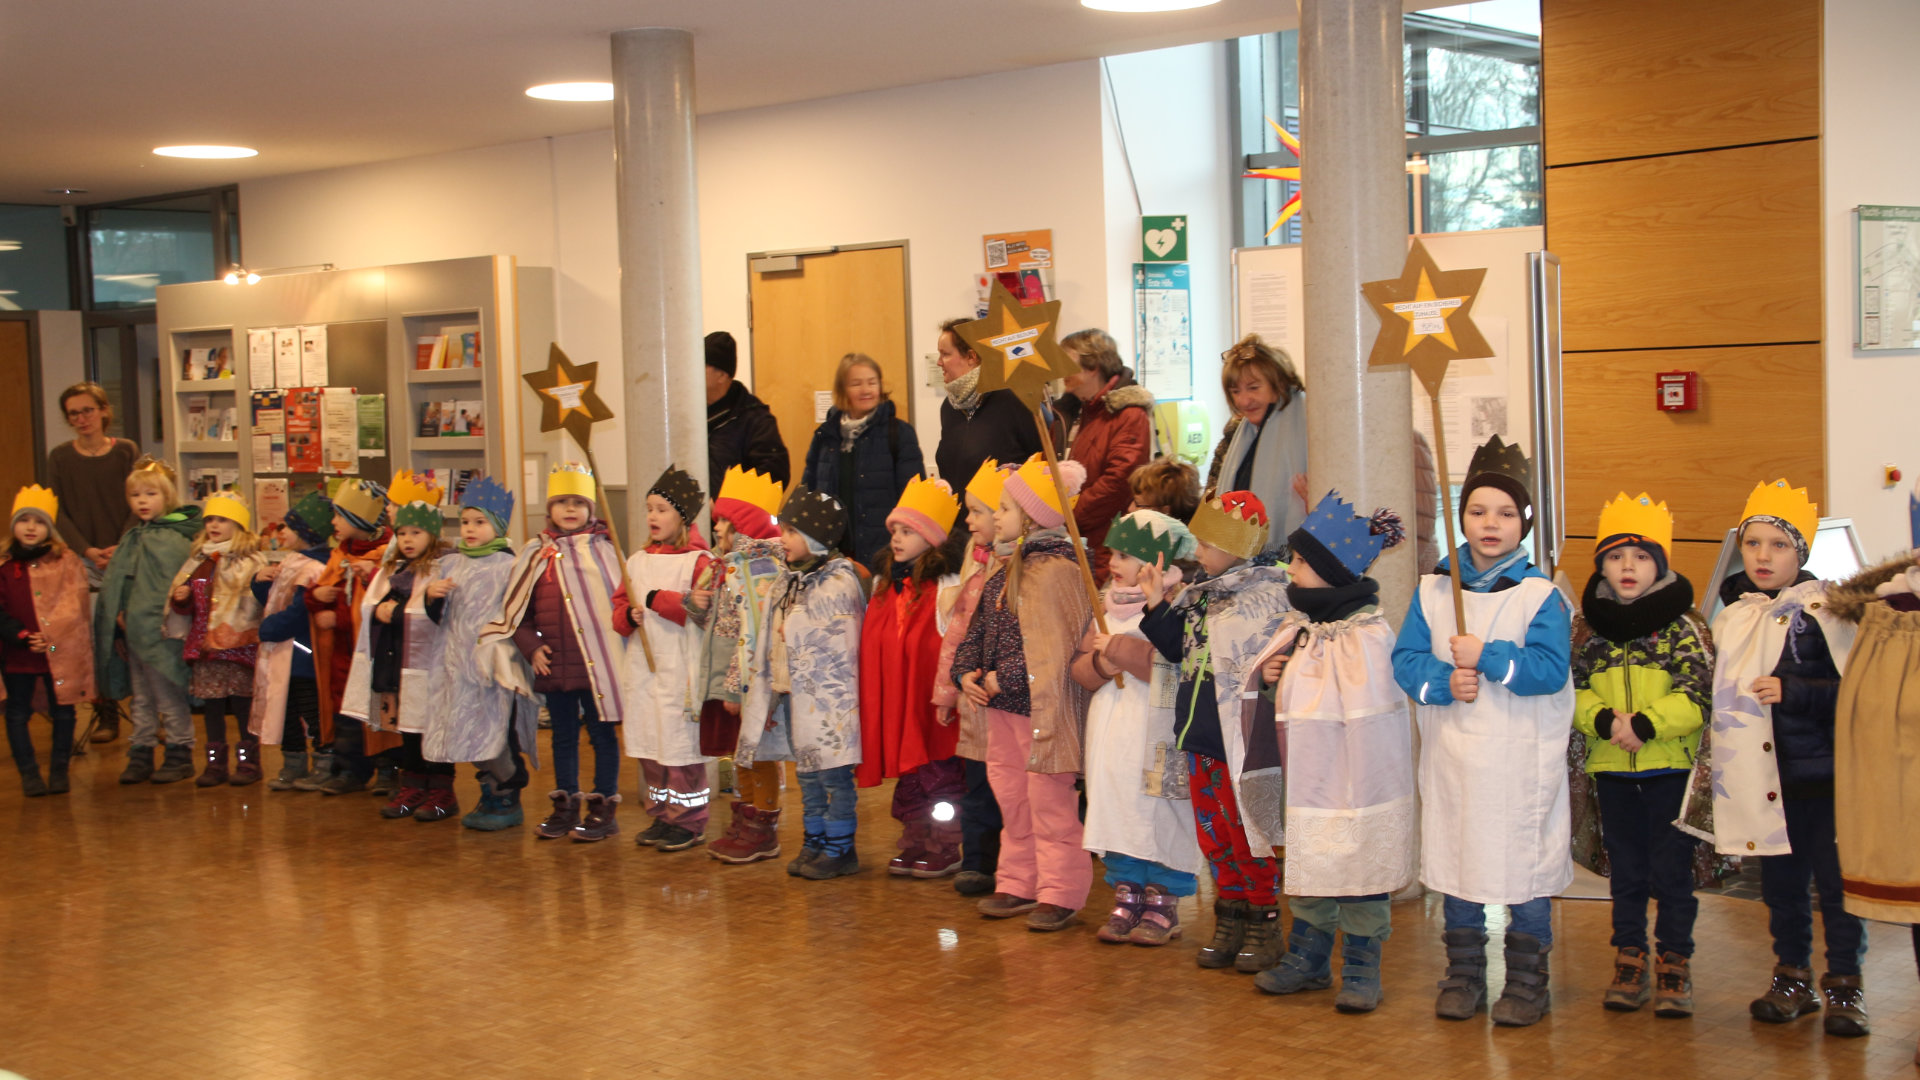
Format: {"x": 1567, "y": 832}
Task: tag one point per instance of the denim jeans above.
{"x": 1650, "y": 858}
{"x": 20, "y": 689}
{"x": 1145, "y": 872}
{"x": 1533, "y": 918}
{"x": 1368, "y": 916}
{"x": 157, "y": 704}
{"x": 828, "y": 795}
{"x": 570, "y": 710}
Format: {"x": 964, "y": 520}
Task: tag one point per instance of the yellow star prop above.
{"x": 567, "y": 396}
{"x": 1428, "y": 314}
{"x": 1017, "y": 346}
{"x": 1426, "y": 317}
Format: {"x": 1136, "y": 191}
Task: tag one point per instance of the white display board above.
{"x": 1886, "y": 291}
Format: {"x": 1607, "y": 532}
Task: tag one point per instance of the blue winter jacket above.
{"x": 868, "y": 481}
{"x": 291, "y": 623}
{"x": 1809, "y": 690}
{"x": 1541, "y": 664}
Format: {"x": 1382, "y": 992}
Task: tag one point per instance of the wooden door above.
{"x": 804, "y": 320}
{"x": 17, "y": 454}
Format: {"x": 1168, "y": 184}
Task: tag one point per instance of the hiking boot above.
{"x": 1308, "y": 964}
{"x": 1525, "y": 998}
{"x": 1262, "y": 945}
{"x": 973, "y": 883}
{"x": 246, "y": 763}
{"x": 1672, "y": 986}
{"x": 1464, "y": 990}
{"x": 829, "y": 864}
{"x": 176, "y": 765}
{"x": 755, "y": 836}
{"x": 1846, "y": 1005}
{"x": 1125, "y": 915}
{"x": 440, "y": 803}
{"x": 386, "y": 779}
{"x": 498, "y": 809}
{"x": 1360, "y": 990}
{"x": 31, "y": 785}
{"x": 1047, "y": 918}
{"x": 411, "y": 793}
{"x": 809, "y": 851}
{"x": 653, "y": 834}
{"x": 598, "y": 818}
{"x": 1229, "y": 930}
{"x": 1005, "y": 906}
{"x": 679, "y": 838}
{"x": 215, "y": 773}
{"x": 342, "y": 783}
{"x": 293, "y": 768}
{"x": 913, "y": 846}
{"x": 318, "y": 775}
{"x": 566, "y": 814}
{"x": 1790, "y": 997}
{"x": 1632, "y": 984}
{"x": 1159, "y": 918}
{"x": 139, "y": 768}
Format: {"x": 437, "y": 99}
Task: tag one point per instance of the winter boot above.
{"x": 653, "y": 833}
{"x": 57, "y": 781}
{"x": 1047, "y": 918}
{"x": 566, "y": 814}
{"x": 679, "y": 838}
{"x": 386, "y": 778}
{"x": 31, "y": 785}
{"x": 499, "y": 809}
{"x": 293, "y": 768}
{"x": 755, "y": 836}
{"x": 837, "y": 857}
{"x": 176, "y": 765}
{"x": 440, "y": 803}
{"x": 1005, "y": 906}
{"x": 1672, "y": 986}
{"x": 343, "y": 782}
{"x": 1229, "y": 931}
{"x": 1159, "y": 918}
{"x": 318, "y": 775}
{"x": 913, "y": 846}
{"x": 139, "y": 768}
{"x": 942, "y": 856}
{"x": 1846, "y": 1003}
{"x": 215, "y": 773}
{"x": 1127, "y": 905}
{"x": 814, "y": 838}
{"x": 1632, "y": 986}
{"x": 973, "y": 883}
{"x": 1308, "y": 964}
{"x": 598, "y": 818}
{"x": 1464, "y": 991}
{"x": 106, "y": 721}
{"x": 1525, "y": 998}
{"x": 407, "y": 797}
{"x": 1262, "y": 945}
{"x": 1359, "y": 975}
{"x": 1790, "y": 997}
{"x": 246, "y": 763}
{"x": 736, "y": 823}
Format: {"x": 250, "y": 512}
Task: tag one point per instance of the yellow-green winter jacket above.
{"x": 1651, "y": 663}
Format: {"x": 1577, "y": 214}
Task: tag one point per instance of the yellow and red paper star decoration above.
{"x": 1287, "y": 172}
{"x": 1426, "y": 317}
{"x": 567, "y": 396}
{"x": 1017, "y": 346}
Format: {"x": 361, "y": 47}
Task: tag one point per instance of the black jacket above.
{"x": 868, "y": 481}
{"x": 1001, "y": 428}
{"x": 741, "y": 431}
{"x": 1809, "y": 689}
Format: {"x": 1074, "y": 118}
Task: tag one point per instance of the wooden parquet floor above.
{"x": 162, "y": 931}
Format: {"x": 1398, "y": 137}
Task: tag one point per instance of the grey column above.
{"x": 1353, "y": 229}
{"x": 664, "y": 386}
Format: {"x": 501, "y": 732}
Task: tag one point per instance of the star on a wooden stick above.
{"x": 1017, "y": 346}
{"x": 567, "y": 396}
{"x": 1426, "y": 317}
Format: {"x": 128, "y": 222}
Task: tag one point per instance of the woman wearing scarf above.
{"x": 862, "y": 455}
{"x": 1264, "y": 447}
{"x": 976, "y": 426}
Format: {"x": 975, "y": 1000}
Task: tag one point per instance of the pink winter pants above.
{"x": 676, "y": 793}
{"x": 1040, "y": 852}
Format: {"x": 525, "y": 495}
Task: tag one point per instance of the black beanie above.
{"x": 722, "y": 353}
{"x": 1650, "y": 546}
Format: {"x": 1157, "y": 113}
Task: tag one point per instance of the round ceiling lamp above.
{"x": 572, "y": 91}
{"x": 208, "y": 152}
{"x": 1144, "y": 6}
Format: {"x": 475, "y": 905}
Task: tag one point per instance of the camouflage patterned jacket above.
{"x": 1651, "y": 663}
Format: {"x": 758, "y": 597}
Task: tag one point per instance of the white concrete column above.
{"x": 664, "y": 385}
{"x": 1353, "y": 229}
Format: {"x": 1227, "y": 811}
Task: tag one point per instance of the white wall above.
{"x": 1869, "y": 155}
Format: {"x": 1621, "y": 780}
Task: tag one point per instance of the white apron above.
{"x": 1130, "y": 810}
{"x": 662, "y": 711}
{"x": 1495, "y": 827}
{"x": 420, "y": 656}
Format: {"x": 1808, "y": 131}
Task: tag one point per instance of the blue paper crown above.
{"x": 1345, "y": 535}
{"x": 487, "y": 496}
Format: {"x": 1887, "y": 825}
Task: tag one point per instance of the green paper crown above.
{"x": 1149, "y": 535}
{"x": 419, "y": 515}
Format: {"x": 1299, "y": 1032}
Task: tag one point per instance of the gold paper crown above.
{"x": 756, "y": 489}
{"x": 933, "y": 500}
{"x": 987, "y": 482}
{"x": 150, "y": 464}
{"x": 227, "y": 504}
{"x": 570, "y": 478}
{"x": 1790, "y": 505}
{"x": 35, "y": 497}
{"x": 411, "y": 487}
{"x": 1637, "y": 516}
{"x": 1240, "y": 529}
{"x": 1033, "y": 473}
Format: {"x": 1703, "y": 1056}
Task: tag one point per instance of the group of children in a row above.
{"x": 1219, "y": 706}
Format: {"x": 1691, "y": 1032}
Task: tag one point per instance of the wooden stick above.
{"x": 1446, "y": 511}
{"x": 613, "y": 532}
{"x": 1073, "y": 530}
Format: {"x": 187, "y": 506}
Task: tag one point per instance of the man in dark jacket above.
{"x": 741, "y": 429}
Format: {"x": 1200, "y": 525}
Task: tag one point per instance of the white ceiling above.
{"x": 91, "y": 86}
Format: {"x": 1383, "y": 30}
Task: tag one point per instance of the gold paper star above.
{"x": 1426, "y": 317}
{"x": 1017, "y": 347}
{"x": 567, "y": 396}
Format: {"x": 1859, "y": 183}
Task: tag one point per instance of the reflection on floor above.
{"x": 165, "y": 932}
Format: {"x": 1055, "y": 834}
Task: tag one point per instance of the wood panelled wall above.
{"x": 1683, "y": 198}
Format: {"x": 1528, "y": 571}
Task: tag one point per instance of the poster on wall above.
{"x": 269, "y": 502}
{"x": 303, "y": 430}
{"x": 1023, "y": 262}
{"x": 1163, "y": 329}
{"x": 339, "y": 430}
{"x": 1886, "y": 290}
{"x": 1474, "y": 399}
{"x": 259, "y": 358}
{"x": 373, "y": 425}
{"x": 313, "y": 356}
{"x": 286, "y": 357}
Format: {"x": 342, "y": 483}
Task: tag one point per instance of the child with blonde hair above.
{"x": 217, "y": 620}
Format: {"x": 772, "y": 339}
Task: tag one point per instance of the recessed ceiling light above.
{"x": 66, "y": 191}
{"x": 205, "y": 151}
{"x": 572, "y": 91}
{"x": 1137, "y": 6}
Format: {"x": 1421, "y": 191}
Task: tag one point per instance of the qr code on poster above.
{"x": 996, "y": 254}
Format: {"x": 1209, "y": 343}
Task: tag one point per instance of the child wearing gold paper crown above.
{"x": 217, "y": 618}
{"x": 1014, "y": 664}
{"x": 899, "y": 652}
{"x": 663, "y": 716}
{"x": 1643, "y": 682}
{"x": 361, "y": 535}
{"x": 1779, "y": 653}
{"x": 43, "y": 637}
{"x": 1214, "y": 629}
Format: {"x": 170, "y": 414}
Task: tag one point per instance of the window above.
{"x": 33, "y": 259}
{"x": 136, "y": 247}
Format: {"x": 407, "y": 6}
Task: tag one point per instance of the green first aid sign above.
{"x": 1163, "y": 238}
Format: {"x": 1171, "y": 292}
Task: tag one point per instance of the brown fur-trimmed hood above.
{"x": 1128, "y": 396}
{"x": 1849, "y": 599}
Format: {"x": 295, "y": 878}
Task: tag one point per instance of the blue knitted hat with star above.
{"x": 486, "y": 495}
{"x": 1339, "y": 544}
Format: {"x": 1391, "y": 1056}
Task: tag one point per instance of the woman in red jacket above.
{"x": 1112, "y": 436}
